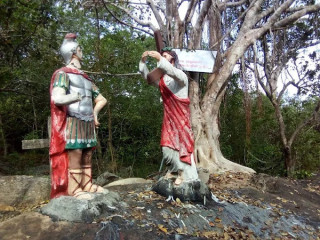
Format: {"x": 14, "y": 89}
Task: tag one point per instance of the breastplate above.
{"x": 84, "y": 108}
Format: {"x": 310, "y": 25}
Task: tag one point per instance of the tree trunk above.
{"x": 35, "y": 116}
{"x": 207, "y": 151}
{"x": 3, "y": 139}
{"x": 290, "y": 162}
{"x": 113, "y": 166}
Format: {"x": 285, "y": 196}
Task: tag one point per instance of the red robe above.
{"x": 58, "y": 155}
{"x": 176, "y": 129}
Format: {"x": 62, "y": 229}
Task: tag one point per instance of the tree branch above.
{"x": 292, "y": 18}
{"x": 203, "y": 13}
{"x": 137, "y": 20}
{"x": 223, "y": 5}
{"x": 156, "y": 13}
{"x": 113, "y": 74}
{"x": 190, "y": 11}
{"x": 304, "y": 123}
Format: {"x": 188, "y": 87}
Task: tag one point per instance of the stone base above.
{"x": 187, "y": 191}
{"x": 78, "y": 210}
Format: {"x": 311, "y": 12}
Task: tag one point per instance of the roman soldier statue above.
{"x": 75, "y": 103}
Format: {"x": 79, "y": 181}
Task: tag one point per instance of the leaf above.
{"x": 226, "y": 236}
{"x": 165, "y": 216}
{"x": 219, "y": 225}
{"x": 179, "y": 230}
{"x": 162, "y": 228}
{"x": 210, "y": 234}
{"x": 6, "y": 208}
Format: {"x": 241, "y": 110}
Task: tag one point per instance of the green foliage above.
{"x": 135, "y": 109}
{"x": 264, "y": 152}
{"x": 31, "y": 33}
{"x": 302, "y": 174}
{"x": 18, "y": 163}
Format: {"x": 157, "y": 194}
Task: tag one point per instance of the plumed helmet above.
{"x": 69, "y": 47}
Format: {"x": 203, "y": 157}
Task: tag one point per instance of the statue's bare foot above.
{"x": 93, "y": 188}
{"x": 178, "y": 181}
{"x": 169, "y": 175}
{"x": 79, "y": 194}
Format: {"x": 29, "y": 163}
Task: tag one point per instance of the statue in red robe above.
{"x": 176, "y": 136}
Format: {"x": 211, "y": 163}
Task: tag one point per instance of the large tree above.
{"x": 285, "y": 63}
{"x": 228, "y": 27}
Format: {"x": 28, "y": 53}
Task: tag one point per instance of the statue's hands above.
{"x": 100, "y": 102}
{"x": 153, "y": 54}
{"x": 78, "y": 97}
{"x": 144, "y": 56}
{"x": 60, "y": 97}
{"x": 96, "y": 122}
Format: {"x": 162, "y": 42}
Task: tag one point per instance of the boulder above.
{"x": 35, "y": 226}
{"x": 106, "y": 178}
{"x": 128, "y": 181}
{"x": 21, "y": 190}
{"x": 186, "y": 191}
{"x": 79, "y": 210}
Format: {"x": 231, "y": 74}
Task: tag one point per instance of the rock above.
{"x": 35, "y": 226}
{"x": 265, "y": 182}
{"x": 186, "y": 191}
{"x": 79, "y": 210}
{"x": 40, "y": 170}
{"x": 106, "y": 178}
{"x": 127, "y": 181}
{"x": 24, "y": 190}
{"x": 204, "y": 175}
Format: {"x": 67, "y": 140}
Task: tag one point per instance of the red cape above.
{"x": 176, "y": 130}
{"x": 58, "y": 155}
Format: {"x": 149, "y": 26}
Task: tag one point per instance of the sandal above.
{"x": 86, "y": 182}
{"x": 74, "y": 185}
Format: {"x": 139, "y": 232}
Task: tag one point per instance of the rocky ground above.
{"x": 244, "y": 207}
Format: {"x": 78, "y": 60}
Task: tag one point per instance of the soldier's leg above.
{"x": 86, "y": 165}
{"x": 75, "y": 175}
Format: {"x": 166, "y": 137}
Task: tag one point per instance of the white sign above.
{"x": 196, "y": 60}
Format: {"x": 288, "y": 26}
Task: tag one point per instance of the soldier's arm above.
{"x": 59, "y": 92}
{"x": 100, "y": 102}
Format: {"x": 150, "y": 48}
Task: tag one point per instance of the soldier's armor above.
{"x": 83, "y": 109}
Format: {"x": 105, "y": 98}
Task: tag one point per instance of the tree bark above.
{"x": 3, "y": 138}
{"x": 113, "y": 166}
{"x": 290, "y": 162}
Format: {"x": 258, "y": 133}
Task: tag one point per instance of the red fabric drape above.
{"x": 176, "y": 129}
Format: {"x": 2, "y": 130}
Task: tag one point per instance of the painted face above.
{"x": 167, "y": 56}
{"x": 79, "y": 53}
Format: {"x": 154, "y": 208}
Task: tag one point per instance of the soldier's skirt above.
{"x": 80, "y": 134}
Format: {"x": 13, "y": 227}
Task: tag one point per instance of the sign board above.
{"x": 35, "y": 143}
{"x": 196, "y": 60}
